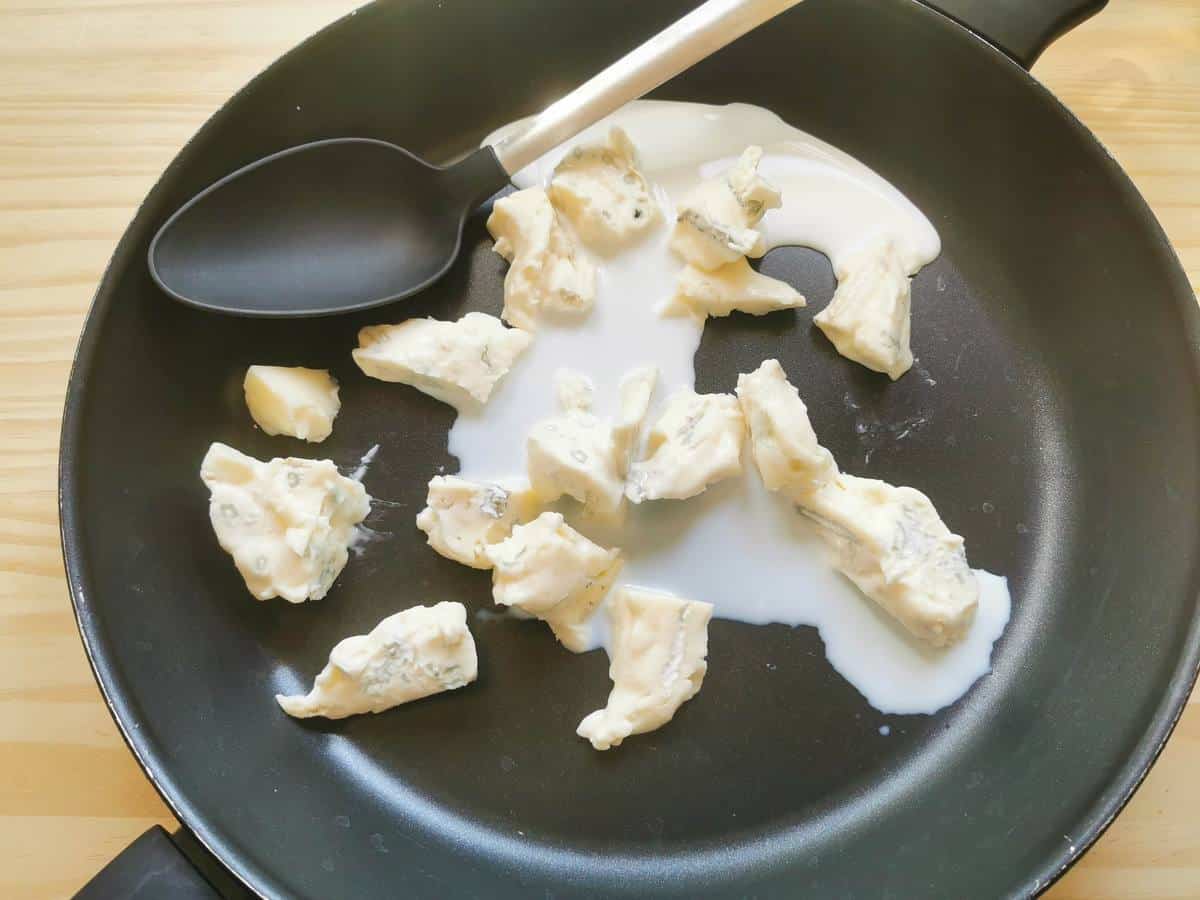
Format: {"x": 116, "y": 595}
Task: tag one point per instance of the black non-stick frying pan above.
{"x": 1056, "y": 411}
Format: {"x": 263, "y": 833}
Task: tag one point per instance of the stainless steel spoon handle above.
{"x": 700, "y": 33}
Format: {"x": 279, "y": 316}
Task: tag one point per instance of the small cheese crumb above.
{"x": 295, "y": 401}
{"x": 634, "y": 393}
{"x": 573, "y": 391}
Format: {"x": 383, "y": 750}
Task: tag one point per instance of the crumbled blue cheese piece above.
{"x": 634, "y": 394}
{"x": 461, "y": 518}
{"x": 459, "y": 363}
{"x": 574, "y": 453}
{"x": 870, "y": 317}
{"x": 733, "y": 286}
{"x": 548, "y": 274}
{"x": 287, "y": 523}
{"x": 755, "y": 195}
{"x": 888, "y": 540}
{"x": 292, "y": 401}
{"x": 413, "y": 654}
{"x": 599, "y": 189}
{"x": 892, "y": 544}
{"x": 697, "y": 441}
{"x": 573, "y": 391}
{"x": 549, "y": 570}
{"x": 658, "y": 650}
{"x": 786, "y": 450}
{"x": 715, "y": 222}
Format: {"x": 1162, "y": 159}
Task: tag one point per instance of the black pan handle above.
{"x": 1021, "y": 28}
{"x": 159, "y": 866}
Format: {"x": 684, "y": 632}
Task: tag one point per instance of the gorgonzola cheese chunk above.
{"x": 412, "y": 654}
{"x": 292, "y": 401}
{"x": 600, "y": 190}
{"x": 892, "y": 544}
{"x": 785, "y": 447}
{"x": 574, "y": 453}
{"x": 696, "y": 442}
{"x": 461, "y": 518}
{"x": 634, "y": 394}
{"x": 659, "y": 646}
{"x": 551, "y": 571}
{"x": 888, "y": 540}
{"x": 573, "y": 391}
{"x": 869, "y": 318}
{"x": 755, "y": 195}
{"x": 548, "y": 274}
{"x": 459, "y": 363}
{"x": 715, "y": 223}
{"x": 287, "y": 523}
{"x": 733, "y": 286}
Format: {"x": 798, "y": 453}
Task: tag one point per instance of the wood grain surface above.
{"x": 96, "y": 96}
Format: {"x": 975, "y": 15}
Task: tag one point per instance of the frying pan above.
{"x": 1055, "y": 411}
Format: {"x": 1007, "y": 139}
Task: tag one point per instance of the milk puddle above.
{"x": 736, "y": 546}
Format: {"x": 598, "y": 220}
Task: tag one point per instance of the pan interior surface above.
{"x": 1056, "y": 342}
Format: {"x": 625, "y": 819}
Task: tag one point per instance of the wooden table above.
{"x": 96, "y": 96}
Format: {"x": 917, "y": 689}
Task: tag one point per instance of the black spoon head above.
{"x": 327, "y": 227}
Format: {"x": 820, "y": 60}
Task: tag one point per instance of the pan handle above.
{"x": 1021, "y": 28}
{"x": 161, "y": 865}
{"x": 700, "y": 33}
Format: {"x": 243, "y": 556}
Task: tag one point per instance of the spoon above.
{"x": 350, "y": 223}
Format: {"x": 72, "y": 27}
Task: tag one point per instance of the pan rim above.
{"x": 1096, "y": 818}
